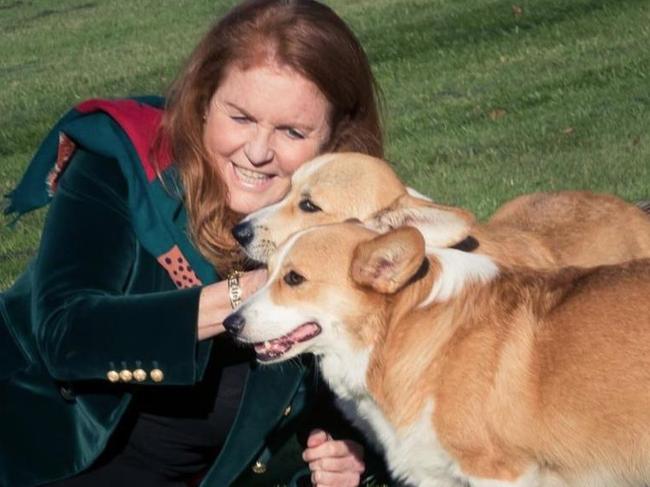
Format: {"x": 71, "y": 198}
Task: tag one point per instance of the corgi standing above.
{"x": 464, "y": 371}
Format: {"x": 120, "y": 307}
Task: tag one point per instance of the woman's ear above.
{"x": 441, "y": 226}
{"x": 387, "y": 262}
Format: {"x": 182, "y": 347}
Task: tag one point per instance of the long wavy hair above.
{"x": 303, "y": 35}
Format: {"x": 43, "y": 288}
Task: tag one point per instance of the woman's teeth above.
{"x": 250, "y": 177}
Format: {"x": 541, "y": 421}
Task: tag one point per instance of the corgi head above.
{"x": 329, "y": 291}
{"x": 337, "y": 187}
{"x": 329, "y": 189}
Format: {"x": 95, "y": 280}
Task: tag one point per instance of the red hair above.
{"x": 303, "y": 35}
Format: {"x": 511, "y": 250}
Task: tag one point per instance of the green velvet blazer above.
{"x": 94, "y": 303}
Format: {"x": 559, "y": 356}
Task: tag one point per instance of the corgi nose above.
{"x": 234, "y": 323}
{"x": 243, "y": 233}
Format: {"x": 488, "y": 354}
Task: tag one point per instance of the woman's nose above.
{"x": 258, "y": 149}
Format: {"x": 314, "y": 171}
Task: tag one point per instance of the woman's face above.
{"x": 262, "y": 123}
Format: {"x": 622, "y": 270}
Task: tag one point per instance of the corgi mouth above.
{"x": 274, "y": 349}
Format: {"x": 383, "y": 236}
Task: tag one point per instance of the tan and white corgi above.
{"x": 541, "y": 230}
{"x": 466, "y": 372}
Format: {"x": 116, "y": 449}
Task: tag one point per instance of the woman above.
{"x": 117, "y": 366}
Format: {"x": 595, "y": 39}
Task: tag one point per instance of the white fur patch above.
{"x": 413, "y": 454}
{"x": 347, "y": 369}
{"x": 416, "y": 194}
{"x": 282, "y": 253}
{"x": 260, "y": 308}
{"x": 439, "y": 227}
{"x": 266, "y": 321}
{"x": 311, "y": 167}
{"x": 458, "y": 269}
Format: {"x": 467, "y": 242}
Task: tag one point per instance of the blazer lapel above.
{"x": 268, "y": 390}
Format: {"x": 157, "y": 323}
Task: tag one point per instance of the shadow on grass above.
{"x": 483, "y": 23}
{"x": 11, "y": 5}
{"x": 21, "y": 23}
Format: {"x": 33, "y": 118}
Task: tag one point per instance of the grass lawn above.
{"x": 484, "y": 100}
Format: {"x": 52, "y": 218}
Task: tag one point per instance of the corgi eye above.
{"x": 292, "y": 278}
{"x": 308, "y": 206}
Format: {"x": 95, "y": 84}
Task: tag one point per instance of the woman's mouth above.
{"x": 249, "y": 178}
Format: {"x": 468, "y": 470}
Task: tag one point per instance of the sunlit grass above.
{"x": 484, "y": 100}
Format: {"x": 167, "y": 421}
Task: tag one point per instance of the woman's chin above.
{"x": 248, "y": 202}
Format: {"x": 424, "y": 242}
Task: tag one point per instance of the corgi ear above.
{"x": 387, "y": 262}
{"x": 440, "y": 225}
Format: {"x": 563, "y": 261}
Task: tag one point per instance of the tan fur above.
{"x": 347, "y": 186}
{"x": 527, "y": 368}
{"x": 577, "y": 227}
{"x": 544, "y": 230}
{"x": 376, "y": 264}
{"x": 549, "y": 368}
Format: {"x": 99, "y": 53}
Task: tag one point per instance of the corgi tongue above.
{"x": 273, "y": 349}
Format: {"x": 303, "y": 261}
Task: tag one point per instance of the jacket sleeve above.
{"x": 85, "y": 320}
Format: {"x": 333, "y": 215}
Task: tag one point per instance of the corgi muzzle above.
{"x": 275, "y": 348}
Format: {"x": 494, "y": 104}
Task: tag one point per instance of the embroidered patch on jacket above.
{"x": 63, "y": 155}
{"x": 178, "y": 268}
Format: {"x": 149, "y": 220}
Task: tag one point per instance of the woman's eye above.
{"x": 308, "y": 206}
{"x": 292, "y": 278}
{"x": 295, "y": 134}
{"x": 240, "y": 118}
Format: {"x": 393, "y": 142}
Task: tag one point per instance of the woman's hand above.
{"x": 214, "y": 302}
{"x": 333, "y": 463}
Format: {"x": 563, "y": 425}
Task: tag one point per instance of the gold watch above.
{"x": 234, "y": 288}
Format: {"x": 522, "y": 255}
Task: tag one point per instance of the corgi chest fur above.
{"x": 414, "y": 453}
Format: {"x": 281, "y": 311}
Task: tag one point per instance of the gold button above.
{"x": 287, "y": 411}
{"x": 157, "y": 375}
{"x": 259, "y": 467}
{"x": 126, "y": 375}
{"x": 139, "y": 375}
{"x": 113, "y": 376}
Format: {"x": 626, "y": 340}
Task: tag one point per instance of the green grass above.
{"x": 481, "y": 104}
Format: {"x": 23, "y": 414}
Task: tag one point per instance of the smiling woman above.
{"x": 277, "y": 88}
{"x": 261, "y": 125}
{"x": 114, "y": 335}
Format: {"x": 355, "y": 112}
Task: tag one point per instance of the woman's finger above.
{"x": 335, "y": 479}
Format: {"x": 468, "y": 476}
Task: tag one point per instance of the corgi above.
{"x": 464, "y": 371}
{"x": 543, "y": 230}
